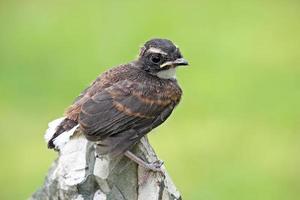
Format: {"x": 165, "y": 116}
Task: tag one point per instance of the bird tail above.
{"x": 59, "y": 132}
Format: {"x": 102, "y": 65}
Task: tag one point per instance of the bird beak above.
{"x": 177, "y": 62}
{"x": 180, "y": 61}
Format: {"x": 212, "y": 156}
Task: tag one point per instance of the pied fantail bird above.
{"x": 126, "y": 102}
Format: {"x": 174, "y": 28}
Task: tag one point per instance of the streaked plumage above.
{"x": 128, "y": 101}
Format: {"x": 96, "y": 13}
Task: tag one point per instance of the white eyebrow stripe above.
{"x": 156, "y": 50}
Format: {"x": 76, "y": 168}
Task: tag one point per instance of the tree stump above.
{"x": 78, "y": 173}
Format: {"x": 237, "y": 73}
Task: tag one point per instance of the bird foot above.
{"x": 154, "y": 166}
{"x": 151, "y": 167}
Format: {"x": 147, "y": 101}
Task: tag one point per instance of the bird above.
{"x": 126, "y": 102}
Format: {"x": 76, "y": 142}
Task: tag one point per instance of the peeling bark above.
{"x": 78, "y": 174}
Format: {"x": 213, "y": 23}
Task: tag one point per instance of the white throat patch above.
{"x": 167, "y": 74}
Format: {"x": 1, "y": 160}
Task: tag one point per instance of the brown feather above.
{"x": 124, "y": 102}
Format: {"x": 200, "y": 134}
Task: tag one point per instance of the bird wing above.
{"x": 120, "y": 115}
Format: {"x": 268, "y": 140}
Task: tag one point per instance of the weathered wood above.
{"x": 79, "y": 174}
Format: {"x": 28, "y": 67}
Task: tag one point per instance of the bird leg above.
{"x": 154, "y": 166}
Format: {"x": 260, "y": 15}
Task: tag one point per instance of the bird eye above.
{"x": 155, "y": 58}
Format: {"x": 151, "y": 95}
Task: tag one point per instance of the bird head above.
{"x": 160, "y": 57}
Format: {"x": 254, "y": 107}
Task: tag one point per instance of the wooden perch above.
{"x": 79, "y": 174}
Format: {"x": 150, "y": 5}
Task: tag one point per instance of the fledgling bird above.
{"x": 126, "y": 102}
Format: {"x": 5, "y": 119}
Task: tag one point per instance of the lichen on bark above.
{"x": 79, "y": 174}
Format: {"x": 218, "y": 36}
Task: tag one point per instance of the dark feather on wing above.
{"x": 117, "y": 117}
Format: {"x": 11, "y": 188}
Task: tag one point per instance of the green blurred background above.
{"x": 235, "y": 134}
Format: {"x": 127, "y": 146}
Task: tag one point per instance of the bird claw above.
{"x": 155, "y": 166}
{"x": 152, "y": 167}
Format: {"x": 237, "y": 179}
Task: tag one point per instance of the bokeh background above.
{"x": 235, "y": 134}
